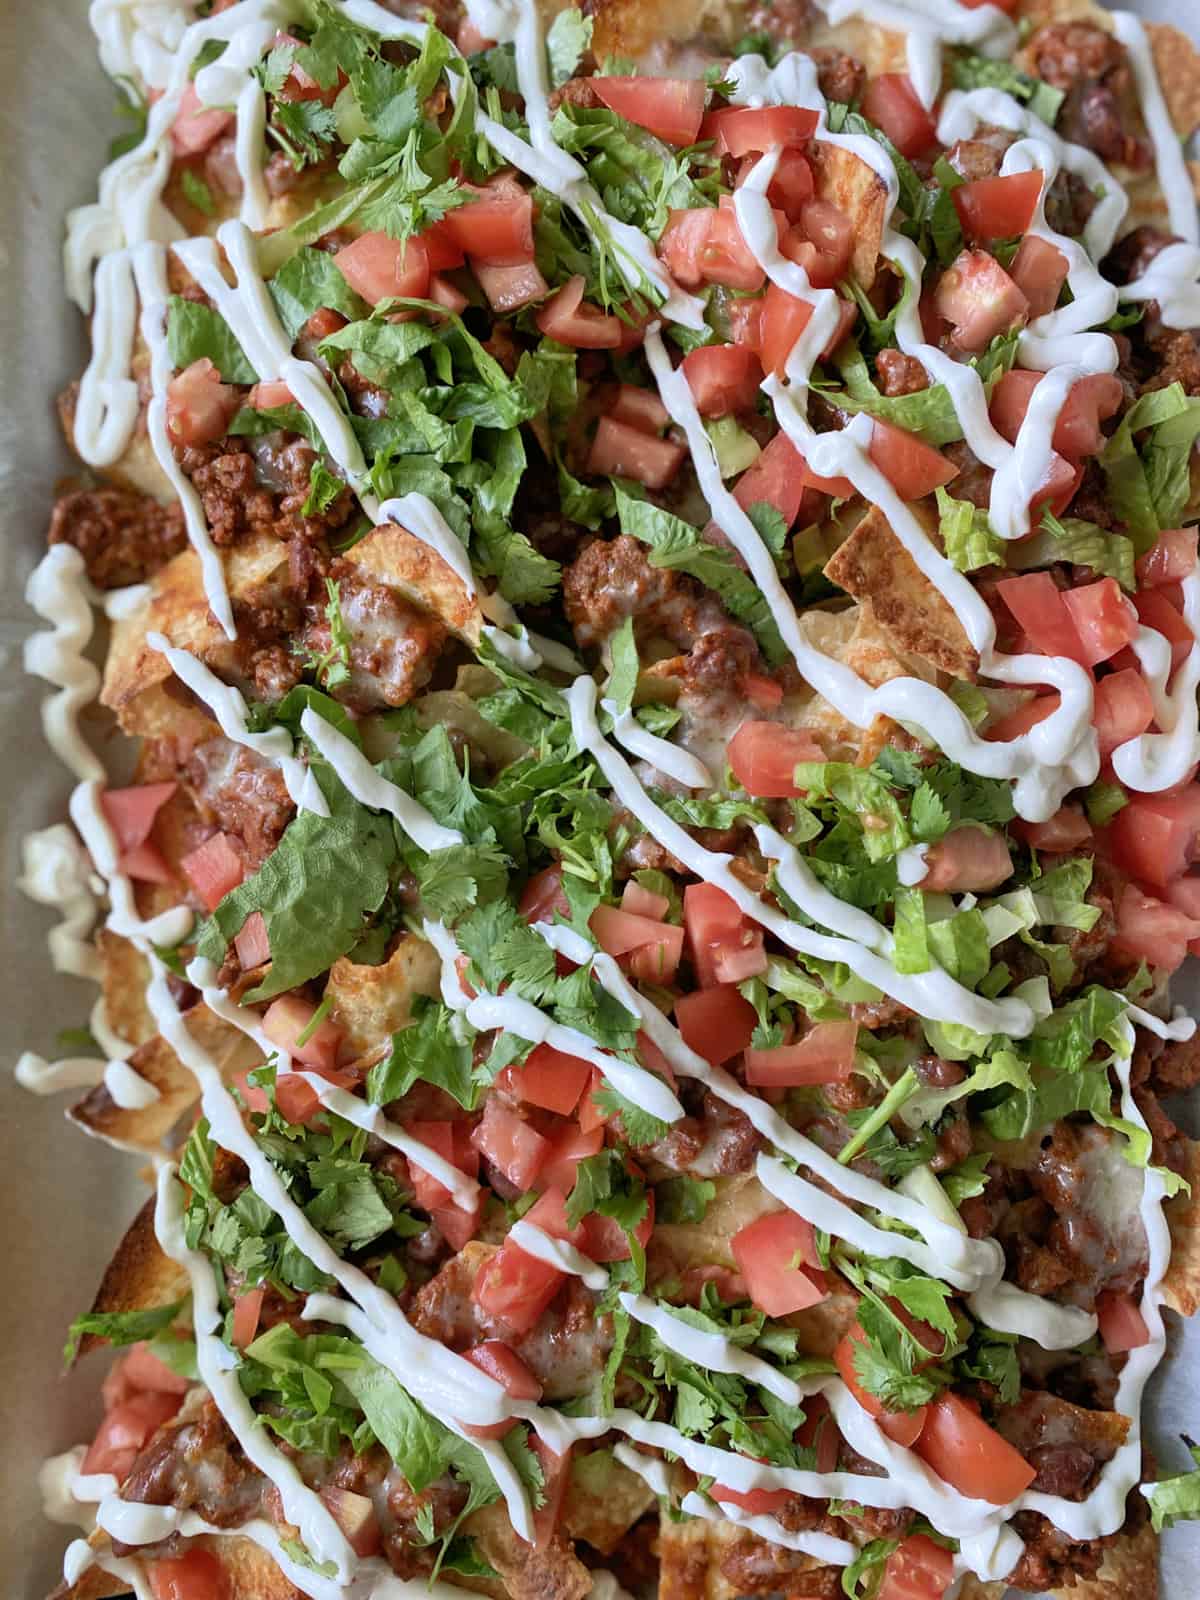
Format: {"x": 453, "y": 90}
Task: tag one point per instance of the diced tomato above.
{"x": 457, "y": 1224}
{"x": 1152, "y": 930}
{"x": 569, "y": 1147}
{"x": 725, "y": 257}
{"x": 199, "y": 406}
{"x": 1039, "y": 605}
{"x": 643, "y": 902}
{"x": 544, "y": 895}
{"x": 1036, "y": 709}
{"x": 763, "y": 693}
{"x": 508, "y": 288}
{"x": 657, "y": 961}
{"x": 288, "y": 1017}
{"x": 716, "y": 1023}
{"x": 792, "y": 185}
{"x": 819, "y": 1431}
{"x": 196, "y": 125}
{"x": 196, "y": 1574}
{"x": 722, "y": 378}
{"x": 549, "y": 1213}
{"x": 783, "y": 319}
{"x": 515, "y": 1287}
{"x": 253, "y": 1097}
{"x": 355, "y": 1516}
{"x": 774, "y": 478}
{"x": 512, "y": 1145}
{"x": 669, "y": 108}
{"x": 626, "y": 452}
{"x": 1156, "y": 610}
{"x": 141, "y": 1369}
{"x": 969, "y": 1455}
{"x": 824, "y": 1055}
{"x": 502, "y": 1363}
{"x": 469, "y": 39}
{"x": 130, "y": 813}
{"x": 763, "y": 757}
{"x": 1039, "y": 270}
{"x": 247, "y": 1308}
{"x": 744, "y": 318}
{"x": 1154, "y": 837}
{"x": 891, "y": 103}
{"x": 998, "y": 208}
{"x": 968, "y": 860}
{"x": 918, "y": 1569}
{"x": 737, "y": 131}
{"x": 714, "y": 924}
{"x": 1184, "y": 893}
{"x": 681, "y": 241}
{"x": 213, "y": 869}
{"x": 495, "y": 228}
{"x": 549, "y": 1079}
{"x": 618, "y": 931}
{"x": 126, "y": 1429}
{"x": 1067, "y": 829}
{"x": 1171, "y": 558}
{"x": 297, "y": 1101}
{"x": 1091, "y": 400}
{"x": 1123, "y": 709}
{"x": 270, "y": 395}
{"x": 145, "y": 863}
{"x": 902, "y": 1427}
{"x": 1058, "y": 488}
{"x": 755, "y": 1502}
{"x": 640, "y": 408}
{"x": 556, "y": 1475}
{"x": 451, "y": 1141}
{"x": 912, "y": 467}
{"x": 1122, "y": 1325}
{"x": 378, "y": 267}
{"x": 822, "y": 243}
{"x": 442, "y": 250}
{"x": 567, "y": 318}
{"x": 445, "y": 294}
{"x": 1104, "y": 620}
{"x": 253, "y": 944}
{"x": 590, "y": 1115}
{"x": 605, "y": 1240}
{"x": 769, "y": 1252}
{"x": 980, "y": 299}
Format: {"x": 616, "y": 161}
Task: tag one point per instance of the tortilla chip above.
{"x": 393, "y": 556}
{"x": 973, "y": 1589}
{"x": 1129, "y": 1571}
{"x": 1177, "y": 62}
{"x": 98, "y": 1113}
{"x": 551, "y": 1572}
{"x": 689, "y": 1556}
{"x": 138, "y": 1278}
{"x": 873, "y": 565}
{"x": 126, "y": 973}
{"x": 1181, "y": 1285}
{"x": 854, "y": 637}
{"x": 252, "y": 1573}
{"x": 138, "y": 467}
{"x": 604, "y": 1515}
{"x": 848, "y": 182}
{"x": 370, "y": 1003}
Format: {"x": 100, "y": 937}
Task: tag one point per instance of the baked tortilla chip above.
{"x": 138, "y": 1278}
{"x": 1129, "y": 1571}
{"x": 369, "y": 1004}
{"x": 126, "y": 973}
{"x": 394, "y": 557}
{"x": 252, "y": 1574}
{"x": 528, "y": 1572}
{"x": 873, "y": 565}
{"x": 848, "y": 182}
{"x": 854, "y": 637}
{"x": 703, "y": 1560}
{"x": 1181, "y": 1285}
{"x": 602, "y": 1506}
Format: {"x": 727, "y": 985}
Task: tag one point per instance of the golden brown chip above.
{"x": 397, "y": 558}
{"x": 1181, "y": 1285}
{"x": 252, "y": 1573}
{"x": 529, "y": 1572}
{"x": 853, "y": 637}
{"x": 1129, "y": 1570}
{"x": 370, "y": 1003}
{"x": 873, "y": 565}
{"x": 139, "y": 1277}
{"x": 601, "y": 1506}
{"x": 1177, "y": 62}
{"x": 846, "y": 180}
{"x": 125, "y": 975}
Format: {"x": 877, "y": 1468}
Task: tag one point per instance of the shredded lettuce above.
{"x": 1174, "y": 1499}
{"x": 1151, "y": 487}
{"x": 967, "y": 535}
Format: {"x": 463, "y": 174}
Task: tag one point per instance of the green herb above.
{"x": 903, "y": 1089}
{"x": 683, "y": 1199}
{"x": 1175, "y": 1499}
{"x": 196, "y": 331}
{"x": 568, "y": 39}
{"x": 120, "y": 1327}
{"x": 197, "y": 193}
{"x": 972, "y": 71}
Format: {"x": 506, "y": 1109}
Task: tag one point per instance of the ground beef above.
{"x": 123, "y": 537}
{"x": 841, "y": 77}
{"x": 974, "y": 480}
{"x": 1066, "y": 1443}
{"x": 1050, "y": 1559}
{"x": 717, "y": 1143}
{"x": 954, "y": 1143}
{"x": 785, "y": 22}
{"x": 977, "y": 158}
{"x": 263, "y": 653}
{"x": 900, "y": 374}
{"x": 1132, "y": 256}
{"x": 393, "y": 646}
{"x": 1091, "y": 68}
{"x": 197, "y": 1465}
{"x": 579, "y": 92}
{"x": 1176, "y": 1067}
{"x": 1069, "y": 205}
{"x": 754, "y": 1566}
{"x": 234, "y": 502}
{"x": 1177, "y": 357}
{"x": 242, "y": 794}
{"x": 935, "y": 1072}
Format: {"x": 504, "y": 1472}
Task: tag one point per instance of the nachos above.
{"x": 649, "y": 568}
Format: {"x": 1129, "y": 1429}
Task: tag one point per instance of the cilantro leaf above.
{"x": 120, "y": 1327}
{"x": 196, "y": 331}
{"x": 433, "y": 1048}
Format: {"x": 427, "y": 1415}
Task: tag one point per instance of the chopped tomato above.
{"x": 550, "y": 1079}
{"x": 716, "y": 1023}
{"x": 912, "y": 467}
{"x": 967, "y": 860}
{"x": 902, "y": 1427}
{"x": 378, "y": 267}
{"x": 774, "y": 479}
{"x": 744, "y": 319}
{"x": 270, "y": 395}
{"x": 725, "y": 257}
{"x": 470, "y": 40}
{"x": 1104, "y": 620}
{"x": 568, "y": 319}
{"x": 792, "y": 184}
{"x": 290, "y": 1016}
{"x": 891, "y": 103}
{"x": 296, "y": 1101}
{"x": 783, "y": 318}
{"x": 213, "y": 869}
{"x": 824, "y": 1055}
{"x": 619, "y": 932}
{"x": 640, "y": 408}
{"x": 502, "y": 1363}
{"x": 544, "y": 895}
{"x": 658, "y": 960}
{"x": 442, "y": 250}
{"x": 1091, "y": 400}
{"x": 1171, "y": 558}
{"x": 199, "y": 406}
{"x": 755, "y": 1502}
{"x": 141, "y": 1369}
{"x": 769, "y": 1253}
{"x": 980, "y": 299}
{"x": 998, "y": 208}
{"x": 737, "y": 131}
{"x": 247, "y": 1308}
{"x": 511, "y": 1145}
{"x": 591, "y": 1116}
{"x": 196, "y": 125}
{"x": 1067, "y": 829}
{"x": 451, "y": 1141}
{"x": 818, "y": 1430}
{"x": 763, "y": 757}
{"x": 556, "y": 1475}
{"x": 716, "y": 931}
{"x": 1122, "y": 1325}
{"x": 196, "y": 1574}
{"x": 643, "y": 902}
{"x": 1152, "y": 930}
{"x": 130, "y": 814}
{"x": 822, "y": 243}
{"x": 626, "y": 452}
{"x": 457, "y": 1224}
{"x": 765, "y": 694}
{"x": 1039, "y": 270}
{"x": 355, "y": 1516}
{"x": 1036, "y": 709}
{"x": 495, "y": 228}
{"x": 604, "y": 1239}
{"x": 969, "y": 1455}
{"x": 445, "y": 294}
{"x": 1039, "y": 606}
{"x": 570, "y": 1146}
{"x": 508, "y": 288}
{"x": 1123, "y": 709}
{"x": 1156, "y": 610}
{"x": 669, "y": 108}
{"x": 126, "y": 1429}
{"x": 253, "y": 944}
{"x": 918, "y": 1569}
{"x": 722, "y": 378}
{"x": 1154, "y": 837}
{"x": 145, "y": 863}
{"x": 680, "y": 243}
{"x": 515, "y": 1287}
{"x": 1058, "y": 488}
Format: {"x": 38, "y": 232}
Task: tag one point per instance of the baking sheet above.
{"x": 65, "y": 1199}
